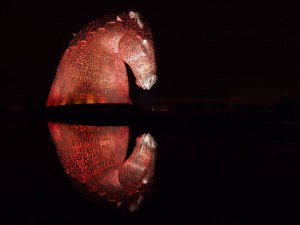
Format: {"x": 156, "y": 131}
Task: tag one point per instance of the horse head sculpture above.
{"x": 95, "y": 159}
{"x": 92, "y": 69}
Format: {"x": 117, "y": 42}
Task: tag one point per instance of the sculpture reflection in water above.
{"x": 95, "y": 158}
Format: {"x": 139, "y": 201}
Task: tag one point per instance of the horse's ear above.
{"x": 131, "y": 14}
{"x": 137, "y": 17}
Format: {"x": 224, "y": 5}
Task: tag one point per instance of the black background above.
{"x": 216, "y": 50}
{"x": 220, "y": 50}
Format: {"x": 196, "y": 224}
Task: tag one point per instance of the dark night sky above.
{"x": 217, "y": 50}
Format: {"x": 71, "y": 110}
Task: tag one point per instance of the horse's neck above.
{"x": 93, "y": 72}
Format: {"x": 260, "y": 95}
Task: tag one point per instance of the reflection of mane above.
{"x": 94, "y": 158}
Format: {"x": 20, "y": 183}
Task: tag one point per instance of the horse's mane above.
{"x": 130, "y": 23}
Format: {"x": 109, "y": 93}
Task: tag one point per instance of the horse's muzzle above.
{"x": 148, "y": 82}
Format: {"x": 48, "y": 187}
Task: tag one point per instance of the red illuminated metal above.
{"x": 95, "y": 157}
{"x": 92, "y": 69}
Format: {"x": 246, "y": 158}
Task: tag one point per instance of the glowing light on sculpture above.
{"x": 95, "y": 157}
{"x": 92, "y": 69}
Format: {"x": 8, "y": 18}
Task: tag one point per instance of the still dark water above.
{"x": 199, "y": 175}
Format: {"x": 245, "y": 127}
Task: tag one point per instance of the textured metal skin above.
{"x": 95, "y": 157}
{"x": 92, "y": 69}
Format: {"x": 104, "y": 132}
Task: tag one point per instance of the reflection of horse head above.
{"x": 92, "y": 69}
{"x": 94, "y": 156}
